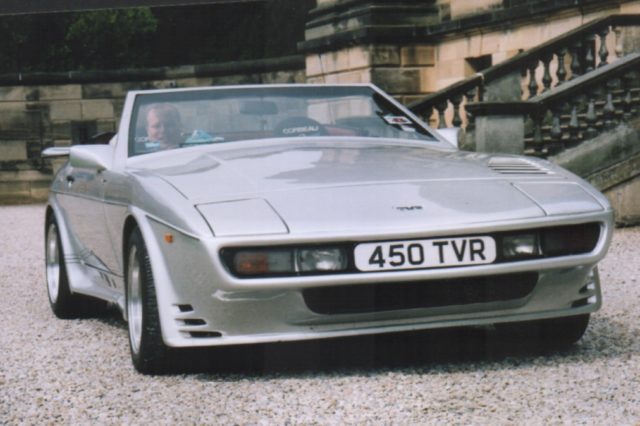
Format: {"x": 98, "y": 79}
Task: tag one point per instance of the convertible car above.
{"x": 250, "y": 214}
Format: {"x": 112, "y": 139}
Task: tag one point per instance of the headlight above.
{"x": 328, "y": 259}
{"x": 287, "y": 261}
{"x": 263, "y": 262}
{"x": 524, "y": 245}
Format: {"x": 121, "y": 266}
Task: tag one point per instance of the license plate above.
{"x": 430, "y": 253}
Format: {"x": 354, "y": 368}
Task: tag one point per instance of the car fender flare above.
{"x": 165, "y": 292}
{"x": 70, "y": 259}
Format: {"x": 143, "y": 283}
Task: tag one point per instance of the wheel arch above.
{"x": 130, "y": 224}
{"x": 53, "y": 211}
{"x": 139, "y": 219}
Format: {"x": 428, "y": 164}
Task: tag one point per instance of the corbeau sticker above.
{"x": 303, "y": 129}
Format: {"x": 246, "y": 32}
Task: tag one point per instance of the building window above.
{"x": 477, "y": 64}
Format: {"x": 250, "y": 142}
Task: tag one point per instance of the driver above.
{"x": 164, "y": 126}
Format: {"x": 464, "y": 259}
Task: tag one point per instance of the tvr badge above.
{"x": 408, "y": 208}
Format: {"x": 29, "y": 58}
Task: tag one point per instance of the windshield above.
{"x": 179, "y": 119}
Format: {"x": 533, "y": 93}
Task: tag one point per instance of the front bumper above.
{"x": 230, "y": 318}
{"x": 201, "y": 304}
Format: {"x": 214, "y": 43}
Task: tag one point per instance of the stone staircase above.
{"x": 574, "y": 100}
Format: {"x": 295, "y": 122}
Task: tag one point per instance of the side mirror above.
{"x": 56, "y": 151}
{"x": 96, "y": 157}
{"x": 451, "y": 135}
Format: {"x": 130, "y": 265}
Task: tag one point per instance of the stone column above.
{"x": 499, "y": 126}
{"x": 372, "y": 41}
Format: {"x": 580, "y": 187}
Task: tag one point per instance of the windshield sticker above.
{"x": 397, "y": 119}
{"x": 302, "y": 129}
{"x": 407, "y": 129}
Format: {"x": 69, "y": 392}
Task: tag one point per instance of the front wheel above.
{"x": 551, "y": 333}
{"x": 148, "y": 352}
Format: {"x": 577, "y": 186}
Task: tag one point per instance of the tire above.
{"x": 554, "y": 333}
{"x": 563, "y": 332}
{"x": 149, "y": 354}
{"x": 64, "y": 303}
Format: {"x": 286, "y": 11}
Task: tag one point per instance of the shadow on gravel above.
{"x": 460, "y": 349}
{"x": 419, "y": 352}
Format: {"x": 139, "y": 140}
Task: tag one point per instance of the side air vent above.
{"x": 185, "y": 308}
{"x": 588, "y": 293}
{"x": 204, "y": 334}
{"x": 516, "y": 166}
{"x": 194, "y": 321}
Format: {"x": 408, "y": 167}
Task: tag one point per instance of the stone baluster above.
{"x": 556, "y": 144}
{"x": 619, "y": 50}
{"x": 576, "y": 65}
{"x": 589, "y": 55}
{"x": 604, "y": 51}
{"x": 456, "y": 101}
{"x": 426, "y": 114}
{"x": 609, "y": 109}
{"x": 627, "y": 100}
{"x": 561, "y": 73}
{"x": 441, "y": 106}
{"x": 470, "y": 96}
{"x": 591, "y": 116}
{"x": 574, "y": 123}
{"x": 533, "y": 84}
{"x": 538, "y": 140}
{"x": 546, "y": 77}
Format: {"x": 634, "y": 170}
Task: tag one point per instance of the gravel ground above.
{"x": 79, "y": 371}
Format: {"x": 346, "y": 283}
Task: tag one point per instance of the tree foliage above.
{"x": 110, "y": 38}
{"x": 151, "y": 37}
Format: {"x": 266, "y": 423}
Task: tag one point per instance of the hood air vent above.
{"x": 516, "y": 166}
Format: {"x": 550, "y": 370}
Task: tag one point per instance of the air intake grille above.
{"x": 516, "y": 166}
{"x": 421, "y": 294}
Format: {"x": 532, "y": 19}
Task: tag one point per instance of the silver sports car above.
{"x": 248, "y": 214}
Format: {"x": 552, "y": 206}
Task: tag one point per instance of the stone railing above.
{"x": 584, "y": 107}
{"x": 534, "y": 71}
{"x": 561, "y": 118}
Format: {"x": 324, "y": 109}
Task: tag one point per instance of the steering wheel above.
{"x": 299, "y": 126}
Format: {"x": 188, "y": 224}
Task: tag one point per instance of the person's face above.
{"x": 162, "y": 128}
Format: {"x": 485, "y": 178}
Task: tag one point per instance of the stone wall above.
{"x": 456, "y": 56}
{"x": 456, "y": 38}
{"x": 42, "y": 110}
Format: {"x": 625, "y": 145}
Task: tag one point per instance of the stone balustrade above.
{"x": 584, "y": 107}
{"x": 535, "y": 71}
{"x": 550, "y": 122}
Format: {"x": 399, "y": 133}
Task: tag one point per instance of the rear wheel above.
{"x": 148, "y": 352}
{"x": 64, "y": 303}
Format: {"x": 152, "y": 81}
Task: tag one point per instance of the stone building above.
{"x": 414, "y": 48}
{"x": 543, "y": 77}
